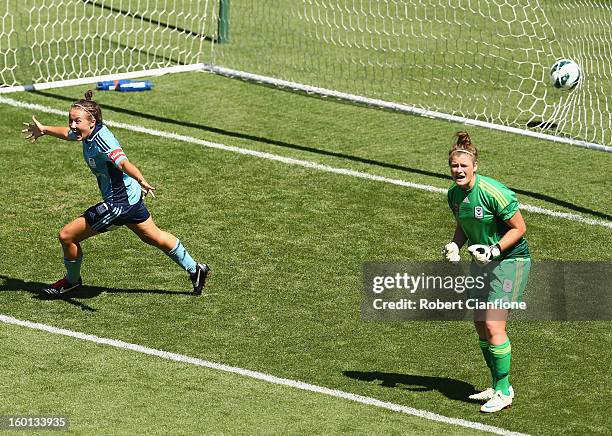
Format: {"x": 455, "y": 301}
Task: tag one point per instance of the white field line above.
{"x": 259, "y": 376}
{"x": 300, "y": 162}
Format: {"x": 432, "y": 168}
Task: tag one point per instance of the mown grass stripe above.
{"x": 302, "y": 163}
{"x": 259, "y": 376}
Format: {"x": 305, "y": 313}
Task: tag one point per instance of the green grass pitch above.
{"x": 286, "y": 244}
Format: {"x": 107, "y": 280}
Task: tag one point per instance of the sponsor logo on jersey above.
{"x": 466, "y": 200}
{"x": 478, "y": 212}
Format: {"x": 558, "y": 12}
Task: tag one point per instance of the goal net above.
{"x": 48, "y": 43}
{"x": 484, "y": 62}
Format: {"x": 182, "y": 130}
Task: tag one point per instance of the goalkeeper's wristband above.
{"x": 495, "y": 251}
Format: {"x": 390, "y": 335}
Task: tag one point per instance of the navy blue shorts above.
{"x": 103, "y": 217}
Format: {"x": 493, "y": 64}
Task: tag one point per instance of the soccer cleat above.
{"x": 487, "y": 394}
{"x": 62, "y": 286}
{"x": 497, "y": 403}
{"x": 198, "y": 278}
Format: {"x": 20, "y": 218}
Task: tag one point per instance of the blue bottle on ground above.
{"x": 110, "y": 85}
{"x": 142, "y": 85}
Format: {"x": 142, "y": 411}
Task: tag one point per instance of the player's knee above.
{"x": 168, "y": 241}
{"x": 65, "y": 237}
{"x": 494, "y": 328}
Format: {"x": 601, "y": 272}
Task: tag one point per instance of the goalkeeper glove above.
{"x": 484, "y": 254}
{"x": 451, "y": 252}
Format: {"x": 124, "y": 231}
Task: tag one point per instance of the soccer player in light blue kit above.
{"x": 123, "y": 188}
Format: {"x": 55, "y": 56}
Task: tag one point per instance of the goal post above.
{"x": 224, "y": 20}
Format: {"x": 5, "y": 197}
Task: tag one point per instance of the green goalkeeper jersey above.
{"x": 481, "y": 212}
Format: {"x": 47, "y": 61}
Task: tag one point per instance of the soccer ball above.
{"x": 565, "y": 74}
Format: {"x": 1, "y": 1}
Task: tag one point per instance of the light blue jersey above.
{"x": 102, "y": 153}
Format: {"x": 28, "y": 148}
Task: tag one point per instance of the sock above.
{"x": 73, "y": 269}
{"x": 501, "y": 364}
{"x": 179, "y": 255}
{"x": 484, "y": 347}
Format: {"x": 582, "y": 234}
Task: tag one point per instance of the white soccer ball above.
{"x": 565, "y": 74}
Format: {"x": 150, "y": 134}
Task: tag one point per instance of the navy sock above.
{"x": 73, "y": 269}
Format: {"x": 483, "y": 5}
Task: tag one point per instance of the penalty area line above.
{"x": 301, "y": 162}
{"x": 260, "y": 376}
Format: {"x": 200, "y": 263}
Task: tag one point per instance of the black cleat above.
{"x": 198, "y": 278}
{"x": 62, "y": 286}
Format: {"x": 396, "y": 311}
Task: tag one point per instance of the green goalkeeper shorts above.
{"x": 505, "y": 281}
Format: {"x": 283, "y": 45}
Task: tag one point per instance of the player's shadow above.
{"x": 451, "y": 388}
{"x": 73, "y": 297}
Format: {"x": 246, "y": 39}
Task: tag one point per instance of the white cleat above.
{"x": 487, "y": 394}
{"x": 497, "y": 403}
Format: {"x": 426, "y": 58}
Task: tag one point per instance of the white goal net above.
{"x": 57, "y": 42}
{"x": 483, "y": 62}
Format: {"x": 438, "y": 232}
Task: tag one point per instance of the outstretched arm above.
{"x": 131, "y": 170}
{"x": 35, "y": 129}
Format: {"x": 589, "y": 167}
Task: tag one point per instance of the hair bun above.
{"x": 89, "y": 95}
{"x": 463, "y": 143}
{"x": 463, "y": 139}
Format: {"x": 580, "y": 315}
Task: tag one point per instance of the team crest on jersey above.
{"x": 456, "y": 208}
{"x": 478, "y": 212}
{"x": 91, "y": 162}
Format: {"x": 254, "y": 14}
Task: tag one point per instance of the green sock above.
{"x": 500, "y": 355}
{"x": 484, "y": 347}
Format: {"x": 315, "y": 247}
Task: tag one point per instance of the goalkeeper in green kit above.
{"x": 489, "y": 220}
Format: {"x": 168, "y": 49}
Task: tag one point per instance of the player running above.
{"x": 489, "y": 220}
{"x": 123, "y": 188}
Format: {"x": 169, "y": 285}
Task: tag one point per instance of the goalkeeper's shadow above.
{"x": 451, "y": 388}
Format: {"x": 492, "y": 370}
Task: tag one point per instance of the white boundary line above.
{"x": 299, "y": 162}
{"x": 260, "y": 376}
